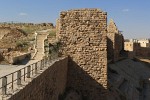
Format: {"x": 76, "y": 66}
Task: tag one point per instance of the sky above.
{"x": 132, "y": 17}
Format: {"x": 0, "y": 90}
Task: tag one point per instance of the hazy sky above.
{"x": 131, "y": 16}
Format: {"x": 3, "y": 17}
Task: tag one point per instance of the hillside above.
{"x": 11, "y": 37}
{"x": 14, "y": 41}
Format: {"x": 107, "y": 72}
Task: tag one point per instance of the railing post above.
{"x": 49, "y": 57}
{"x": 4, "y": 85}
{"x": 32, "y": 68}
{"x": 47, "y": 60}
{"x": 24, "y": 73}
{"x": 28, "y": 71}
{"x": 19, "y": 77}
{"x": 41, "y": 65}
{"x": 36, "y": 68}
{"x": 43, "y": 62}
{"x": 12, "y": 81}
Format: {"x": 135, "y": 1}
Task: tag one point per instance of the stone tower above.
{"x": 83, "y": 37}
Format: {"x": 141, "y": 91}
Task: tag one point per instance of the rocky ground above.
{"x": 130, "y": 77}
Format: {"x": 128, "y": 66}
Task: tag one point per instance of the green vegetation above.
{"x": 22, "y": 45}
{"x": 29, "y": 29}
{"x": 52, "y": 33}
{"x": 54, "y": 48}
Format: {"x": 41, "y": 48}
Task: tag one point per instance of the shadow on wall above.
{"x": 110, "y": 49}
{"x": 81, "y": 86}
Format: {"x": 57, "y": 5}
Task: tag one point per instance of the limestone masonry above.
{"x": 83, "y": 35}
{"x": 114, "y": 41}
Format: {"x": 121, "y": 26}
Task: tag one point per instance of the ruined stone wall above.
{"x": 110, "y": 45}
{"x": 115, "y": 41}
{"x": 83, "y": 37}
{"x": 132, "y": 48}
{"x": 114, "y": 46}
{"x": 49, "y": 85}
{"x": 119, "y": 46}
{"x": 143, "y": 52}
{"x": 136, "y": 50}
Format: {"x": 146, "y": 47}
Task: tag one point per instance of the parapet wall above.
{"x": 49, "y": 85}
{"x": 82, "y": 34}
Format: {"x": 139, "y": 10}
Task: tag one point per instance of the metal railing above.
{"x": 15, "y": 79}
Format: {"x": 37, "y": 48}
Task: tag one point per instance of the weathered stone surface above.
{"x": 112, "y": 28}
{"x": 115, "y": 41}
{"x": 82, "y": 33}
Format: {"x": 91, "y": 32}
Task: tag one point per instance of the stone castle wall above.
{"x": 82, "y": 34}
{"x": 110, "y": 45}
{"x": 143, "y": 52}
{"x": 134, "y": 49}
{"x": 115, "y": 41}
{"x": 119, "y": 46}
{"x": 49, "y": 85}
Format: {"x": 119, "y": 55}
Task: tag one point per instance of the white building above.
{"x": 144, "y": 42}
